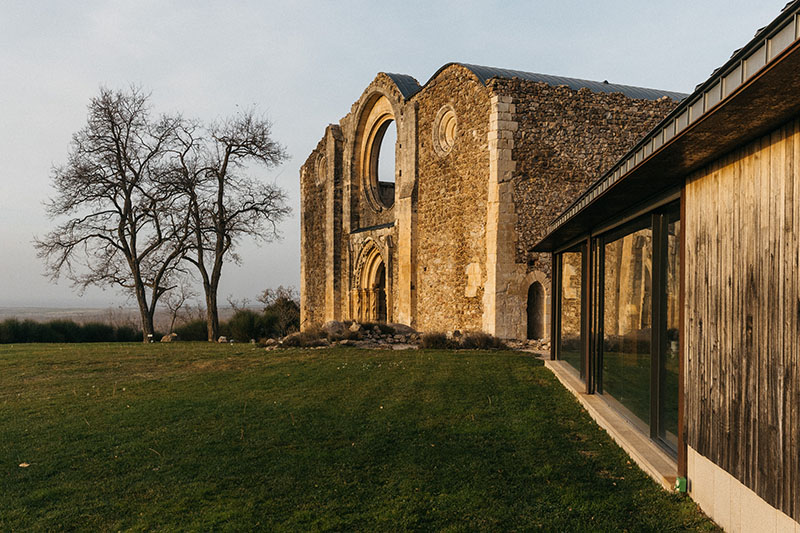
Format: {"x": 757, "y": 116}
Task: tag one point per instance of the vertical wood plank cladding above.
{"x": 789, "y": 277}
{"x": 742, "y": 301}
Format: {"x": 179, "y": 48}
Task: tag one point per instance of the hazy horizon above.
{"x": 303, "y": 64}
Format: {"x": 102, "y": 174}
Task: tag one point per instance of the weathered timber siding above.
{"x": 742, "y": 306}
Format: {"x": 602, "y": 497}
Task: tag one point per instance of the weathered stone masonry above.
{"x": 484, "y": 159}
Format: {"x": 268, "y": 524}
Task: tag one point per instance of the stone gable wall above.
{"x": 451, "y": 203}
{"x": 565, "y": 141}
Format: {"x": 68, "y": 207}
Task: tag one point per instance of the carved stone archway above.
{"x": 370, "y": 295}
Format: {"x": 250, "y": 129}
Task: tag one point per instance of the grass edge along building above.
{"x": 700, "y": 377}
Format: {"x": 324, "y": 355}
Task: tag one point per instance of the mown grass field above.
{"x": 191, "y": 436}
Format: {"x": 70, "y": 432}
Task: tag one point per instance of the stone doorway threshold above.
{"x": 648, "y": 455}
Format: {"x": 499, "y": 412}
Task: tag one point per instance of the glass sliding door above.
{"x": 570, "y": 305}
{"x": 627, "y": 319}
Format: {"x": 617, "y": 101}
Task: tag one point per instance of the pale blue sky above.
{"x": 304, "y": 63}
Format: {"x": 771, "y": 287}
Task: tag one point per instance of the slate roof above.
{"x": 486, "y": 73}
{"x": 407, "y": 85}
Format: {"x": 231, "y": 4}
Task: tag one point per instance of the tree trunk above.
{"x": 147, "y": 316}
{"x": 212, "y": 314}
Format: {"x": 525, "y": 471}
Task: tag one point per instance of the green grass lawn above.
{"x": 230, "y": 437}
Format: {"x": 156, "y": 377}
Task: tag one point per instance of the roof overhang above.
{"x": 762, "y": 103}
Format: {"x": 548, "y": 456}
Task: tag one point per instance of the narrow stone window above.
{"x": 321, "y": 170}
{"x": 383, "y": 170}
{"x": 535, "y": 311}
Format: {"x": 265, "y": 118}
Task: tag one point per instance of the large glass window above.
{"x": 569, "y": 349}
{"x": 669, "y": 375}
{"x": 627, "y": 320}
{"x": 628, "y": 288}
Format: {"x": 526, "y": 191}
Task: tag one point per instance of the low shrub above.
{"x": 306, "y": 339}
{"x": 478, "y": 340}
{"x": 472, "y": 340}
{"x": 195, "y": 330}
{"x": 127, "y": 334}
{"x": 282, "y": 306}
{"x": 435, "y": 340}
{"x": 244, "y": 325}
{"x": 97, "y": 332}
{"x": 67, "y": 331}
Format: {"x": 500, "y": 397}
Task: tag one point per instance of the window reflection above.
{"x": 669, "y": 376}
{"x": 627, "y": 322}
{"x": 571, "y": 279}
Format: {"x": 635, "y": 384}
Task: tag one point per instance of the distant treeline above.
{"x": 20, "y": 331}
{"x": 279, "y": 318}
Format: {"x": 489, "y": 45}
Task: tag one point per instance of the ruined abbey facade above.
{"x": 484, "y": 160}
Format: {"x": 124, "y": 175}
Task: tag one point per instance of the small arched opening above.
{"x": 536, "y": 302}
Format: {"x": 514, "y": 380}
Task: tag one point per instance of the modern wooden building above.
{"x": 676, "y": 283}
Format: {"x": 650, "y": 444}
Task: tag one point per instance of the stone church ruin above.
{"x": 423, "y": 204}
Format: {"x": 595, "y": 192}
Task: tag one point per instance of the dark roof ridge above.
{"x": 407, "y": 85}
{"x": 484, "y": 74}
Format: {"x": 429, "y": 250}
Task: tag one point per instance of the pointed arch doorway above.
{"x": 372, "y": 302}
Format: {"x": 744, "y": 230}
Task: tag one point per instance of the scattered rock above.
{"x": 334, "y": 328}
{"x": 355, "y": 327}
{"x": 405, "y": 347}
{"x": 402, "y": 329}
{"x": 270, "y": 342}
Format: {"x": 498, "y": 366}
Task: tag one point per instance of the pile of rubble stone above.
{"x": 335, "y": 333}
{"x": 390, "y": 336}
{"x": 530, "y": 345}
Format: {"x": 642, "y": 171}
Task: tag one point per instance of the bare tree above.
{"x": 176, "y": 300}
{"x": 224, "y": 204}
{"x": 284, "y": 304}
{"x": 127, "y": 222}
